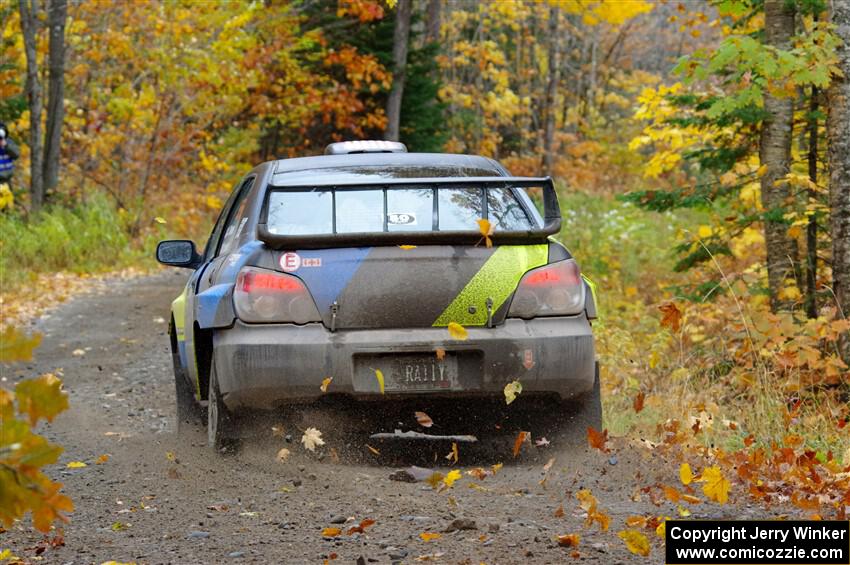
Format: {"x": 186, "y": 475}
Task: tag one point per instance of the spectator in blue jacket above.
{"x": 9, "y": 152}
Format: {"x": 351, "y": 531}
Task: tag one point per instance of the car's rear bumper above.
{"x": 264, "y": 366}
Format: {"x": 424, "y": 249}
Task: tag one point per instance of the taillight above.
{"x": 267, "y": 296}
{"x": 552, "y": 290}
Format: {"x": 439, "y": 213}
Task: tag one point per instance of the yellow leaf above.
{"x": 761, "y": 171}
{"x": 635, "y": 541}
{"x": 372, "y": 449}
{"x": 685, "y": 474}
{"x": 76, "y": 465}
{"x": 458, "y": 332}
{"x": 159, "y": 220}
{"x": 636, "y": 521}
{"x": 325, "y": 383}
{"x": 486, "y": 229}
{"x": 380, "y": 378}
{"x": 331, "y": 532}
{"x": 684, "y": 512}
{"x": 716, "y": 487}
{"x": 428, "y": 536}
{"x": 661, "y": 529}
{"x": 511, "y": 390}
{"x": 498, "y": 466}
{"x": 451, "y": 477}
{"x": 407, "y": 247}
{"x": 453, "y": 454}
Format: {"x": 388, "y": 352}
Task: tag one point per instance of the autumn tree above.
{"x": 775, "y": 155}
{"x": 400, "y": 47}
{"x": 839, "y": 162}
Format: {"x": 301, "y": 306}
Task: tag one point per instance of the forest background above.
{"x": 701, "y": 150}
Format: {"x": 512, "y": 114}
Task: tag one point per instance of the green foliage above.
{"x": 89, "y": 238}
{"x": 23, "y": 487}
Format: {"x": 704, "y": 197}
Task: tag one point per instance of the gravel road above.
{"x": 166, "y": 498}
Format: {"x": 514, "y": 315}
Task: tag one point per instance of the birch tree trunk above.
{"x": 838, "y": 126}
{"x": 433, "y": 21}
{"x": 400, "y": 41}
{"x": 29, "y": 25}
{"x": 57, "y": 17}
{"x": 775, "y": 153}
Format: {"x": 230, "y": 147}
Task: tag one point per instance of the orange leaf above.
{"x": 325, "y": 383}
{"x": 373, "y": 450}
{"x": 521, "y": 438}
{"x": 569, "y": 540}
{"x": 596, "y": 439}
{"x": 672, "y": 494}
{"x": 672, "y": 316}
{"x": 636, "y": 521}
{"x": 453, "y": 455}
{"x": 428, "y": 536}
{"x": 331, "y": 532}
{"x": 441, "y": 353}
{"x": 637, "y": 404}
{"x": 486, "y": 229}
{"x": 424, "y": 419}
{"x": 559, "y": 513}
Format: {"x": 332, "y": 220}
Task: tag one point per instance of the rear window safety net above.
{"x": 345, "y": 210}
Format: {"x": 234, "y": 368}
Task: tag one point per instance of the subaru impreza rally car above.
{"x": 352, "y": 266}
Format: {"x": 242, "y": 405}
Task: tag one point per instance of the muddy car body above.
{"x": 352, "y": 265}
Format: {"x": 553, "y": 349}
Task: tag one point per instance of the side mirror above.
{"x": 178, "y": 253}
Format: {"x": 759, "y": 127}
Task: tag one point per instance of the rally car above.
{"x": 394, "y": 274}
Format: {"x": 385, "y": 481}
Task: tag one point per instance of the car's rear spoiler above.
{"x": 551, "y": 216}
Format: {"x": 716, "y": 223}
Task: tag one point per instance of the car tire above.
{"x": 188, "y": 410}
{"x": 220, "y": 423}
{"x": 583, "y": 412}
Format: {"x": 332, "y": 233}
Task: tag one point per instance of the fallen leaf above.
{"x": 278, "y": 431}
{"x": 497, "y": 467}
{"x": 451, "y": 477}
{"x": 521, "y": 438}
{"x": 331, "y": 532}
{"x": 373, "y": 450}
{"x": 548, "y": 465}
{"x": 486, "y": 229}
{"x": 685, "y": 474}
{"x": 159, "y": 220}
{"x": 569, "y": 540}
{"x": 453, "y": 454}
{"x": 218, "y": 507}
{"x": 635, "y": 541}
{"x": 683, "y": 512}
{"x": 458, "y": 332}
{"x": 312, "y": 438}
{"x": 435, "y": 479}
{"x": 424, "y": 419}
{"x": 691, "y": 499}
{"x": 325, "y": 383}
{"x": 637, "y": 404}
{"x": 283, "y": 455}
{"x": 716, "y": 486}
{"x": 361, "y": 528}
{"x": 542, "y": 442}
{"x": 589, "y": 504}
{"x": 428, "y": 536}
{"x": 379, "y": 376}
{"x": 512, "y": 389}
{"x": 441, "y": 353}
{"x": 636, "y": 521}
{"x": 672, "y": 494}
{"x": 102, "y": 459}
{"x": 76, "y": 465}
{"x": 478, "y": 472}
{"x": 407, "y": 247}
{"x": 672, "y": 316}
{"x": 170, "y": 456}
{"x": 597, "y": 439}
{"x": 78, "y": 352}
{"x": 559, "y": 513}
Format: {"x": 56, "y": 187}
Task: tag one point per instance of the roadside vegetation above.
{"x": 700, "y": 149}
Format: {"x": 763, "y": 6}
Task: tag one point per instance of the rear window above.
{"x": 408, "y": 209}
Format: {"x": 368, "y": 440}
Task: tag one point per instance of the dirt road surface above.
{"x": 166, "y": 498}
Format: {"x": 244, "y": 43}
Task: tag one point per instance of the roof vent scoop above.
{"x": 365, "y": 146}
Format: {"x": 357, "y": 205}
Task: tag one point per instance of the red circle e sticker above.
{"x": 290, "y": 262}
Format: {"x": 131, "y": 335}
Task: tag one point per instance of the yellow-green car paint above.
{"x": 178, "y": 311}
{"x": 497, "y": 279}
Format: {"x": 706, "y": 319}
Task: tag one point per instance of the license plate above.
{"x": 417, "y": 373}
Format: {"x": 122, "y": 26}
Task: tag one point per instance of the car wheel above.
{"x": 220, "y": 425}
{"x": 582, "y": 412}
{"x": 188, "y": 410}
